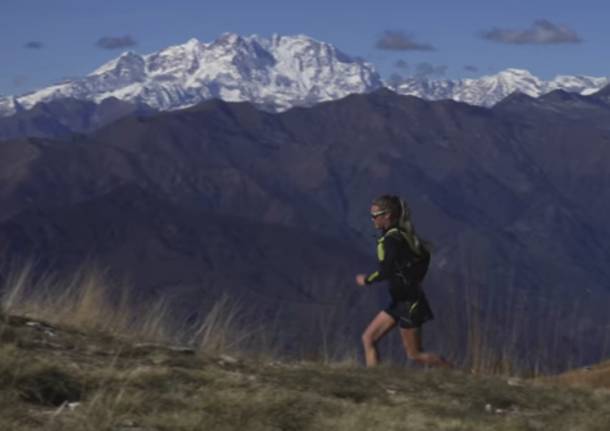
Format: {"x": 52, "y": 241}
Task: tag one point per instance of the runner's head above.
{"x": 390, "y": 211}
{"x": 390, "y": 204}
{"x": 386, "y": 211}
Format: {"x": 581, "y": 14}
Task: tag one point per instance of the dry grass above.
{"x": 88, "y": 300}
{"x": 91, "y": 301}
{"x": 597, "y": 376}
{"x": 67, "y": 375}
{"x": 513, "y": 334}
{"x": 84, "y": 383}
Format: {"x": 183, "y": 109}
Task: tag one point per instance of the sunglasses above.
{"x": 376, "y": 214}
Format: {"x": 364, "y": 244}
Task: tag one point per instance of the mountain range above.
{"x": 273, "y": 207}
{"x": 275, "y": 74}
{"x": 489, "y": 90}
{"x": 246, "y": 166}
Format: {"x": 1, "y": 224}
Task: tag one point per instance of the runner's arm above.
{"x": 386, "y": 255}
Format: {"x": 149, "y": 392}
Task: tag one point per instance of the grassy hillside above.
{"x": 76, "y": 354}
{"x": 596, "y": 376}
{"x": 58, "y": 378}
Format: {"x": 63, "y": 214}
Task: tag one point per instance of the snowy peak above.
{"x": 584, "y": 85}
{"x": 515, "y": 80}
{"x": 8, "y": 105}
{"x": 489, "y": 90}
{"x": 275, "y": 73}
{"x": 127, "y": 62}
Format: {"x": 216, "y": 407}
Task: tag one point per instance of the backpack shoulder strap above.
{"x": 418, "y": 251}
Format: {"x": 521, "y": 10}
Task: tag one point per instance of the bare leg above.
{"x": 380, "y": 326}
{"x": 411, "y": 340}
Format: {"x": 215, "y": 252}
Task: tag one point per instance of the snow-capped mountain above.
{"x": 489, "y": 90}
{"x": 275, "y": 73}
{"x": 8, "y": 106}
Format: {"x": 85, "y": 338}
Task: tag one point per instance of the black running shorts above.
{"x": 410, "y": 314}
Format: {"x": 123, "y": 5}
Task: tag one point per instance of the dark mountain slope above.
{"x": 63, "y": 117}
{"x": 505, "y": 195}
{"x": 193, "y": 257}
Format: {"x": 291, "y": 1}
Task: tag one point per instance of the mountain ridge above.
{"x": 274, "y": 73}
{"x": 497, "y": 191}
{"x": 277, "y": 72}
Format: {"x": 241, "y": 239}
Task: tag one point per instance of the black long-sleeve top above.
{"x": 402, "y": 267}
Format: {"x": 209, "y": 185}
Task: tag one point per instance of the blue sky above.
{"x": 46, "y": 41}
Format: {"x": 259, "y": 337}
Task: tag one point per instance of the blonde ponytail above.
{"x": 406, "y": 227}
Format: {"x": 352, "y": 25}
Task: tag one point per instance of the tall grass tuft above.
{"x": 91, "y": 300}
{"x": 88, "y": 299}
{"x": 218, "y": 330}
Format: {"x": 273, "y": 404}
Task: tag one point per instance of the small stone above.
{"x": 228, "y": 359}
{"x": 513, "y": 382}
{"x": 488, "y": 408}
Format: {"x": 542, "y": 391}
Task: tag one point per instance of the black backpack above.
{"x": 415, "y": 269}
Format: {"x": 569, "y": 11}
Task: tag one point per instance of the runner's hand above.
{"x": 360, "y": 279}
